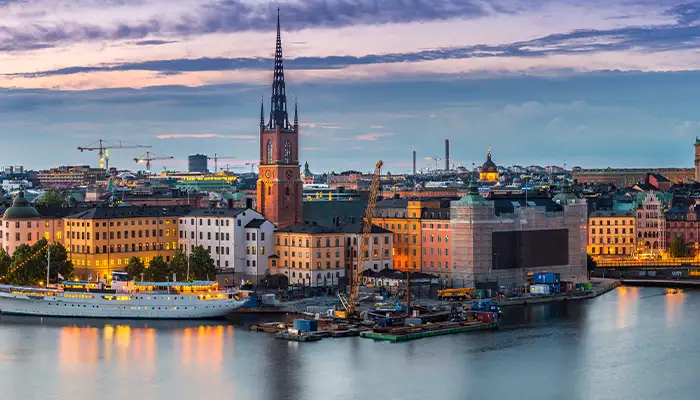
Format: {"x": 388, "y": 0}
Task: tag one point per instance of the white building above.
{"x": 11, "y": 185}
{"x": 237, "y": 238}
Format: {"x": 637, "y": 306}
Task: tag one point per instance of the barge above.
{"x": 423, "y": 331}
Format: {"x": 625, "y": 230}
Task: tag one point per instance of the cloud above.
{"x": 228, "y": 16}
{"x": 320, "y": 125}
{"x": 376, "y": 127}
{"x": 311, "y": 149}
{"x": 686, "y": 13}
{"x": 153, "y": 42}
{"x": 203, "y": 136}
{"x": 371, "y": 136}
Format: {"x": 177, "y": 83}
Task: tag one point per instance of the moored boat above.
{"x": 122, "y": 299}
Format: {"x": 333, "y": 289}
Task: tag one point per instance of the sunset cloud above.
{"x": 203, "y": 136}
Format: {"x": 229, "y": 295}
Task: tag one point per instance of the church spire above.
{"x": 262, "y": 111}
{"x": 278, "y": 102}
{"x": 296, "y": 114}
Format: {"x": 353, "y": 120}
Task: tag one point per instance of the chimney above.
{"x": 414, "y": 162}
{"x": 447, "y": 154}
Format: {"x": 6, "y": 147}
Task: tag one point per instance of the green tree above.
{"x": 678, "y": 248}
{"x": 135, "y": 268}
{"x": 59, "y": 259}
{"x": 590, "y": 265}
{"x": 158, "y": 270}
{"x": 178, "y": 265}
{"x": 201, "y": 265}
{"x": 27, "y": 268}
{"x": 51, "y": 197}
{"x": 5, "y": 263}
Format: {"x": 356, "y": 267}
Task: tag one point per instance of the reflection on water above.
{"x": 600, "y": 349}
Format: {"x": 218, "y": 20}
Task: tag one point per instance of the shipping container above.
{"x": 566, "y": 287}
{"x": 306, "y": 325}
{"x": 486, "y": 317}
{"x": 555, "y": 288}
{"x": 539, "y": 289}
{"x": 546, "y": 278}
{"x": 269, "y": 300}
{"x": 252, "y": 301}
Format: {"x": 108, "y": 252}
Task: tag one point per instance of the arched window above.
{"x": 287, "y": 152}
{"x": 269, "y": 151}
{"x": 307, "y": 242}
{"x": 328, "y": 243}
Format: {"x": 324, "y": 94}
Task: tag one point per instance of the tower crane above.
{"x": 356, "y": 275}
{"x": 148, "y": 157}
{"x": 252, "y": 167}
{"x": 436, "y": 159}
{"x": 103, "y": 146}
{"x": 216, "y": 159}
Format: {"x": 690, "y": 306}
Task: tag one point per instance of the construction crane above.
{"x": 216, "y": 159}
{"x": 252, "y": 167}
{"x": 103, "y": 147}
{"x": 356, "y": 275}
{"x": 436, "y": 159}
{"x": 149, "y": 157}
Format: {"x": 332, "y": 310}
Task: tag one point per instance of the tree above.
{"x": 51, "y": 197}
{"x": 178, "y": 265}
{"x": 135, "y": 268}
{"x": 201, "y": 265}
{"x": 59, "y": 259}
{"x": 158, "y": 270}
{"x": 678, "y": 248}
{"x": 27, "y": 268}
{"x": 590, "y": 264}
{"x": 5, "y": 263}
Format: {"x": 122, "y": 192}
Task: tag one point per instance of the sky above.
{"x": 593, "y": 83}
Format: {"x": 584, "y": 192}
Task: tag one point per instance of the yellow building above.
{"x": 309, "y": 255}
{"x": 102, "y": 239}
{"x": 611, "y": 233}
{"x": 489, "y": 171}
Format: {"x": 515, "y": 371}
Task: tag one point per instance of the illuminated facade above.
{"x": 23, "y": 224}
{"x": 102, "y": 239}
{"x": 310, "y": 255}
{"x": 379, "y": 254}
{"x": 612, "y": 233}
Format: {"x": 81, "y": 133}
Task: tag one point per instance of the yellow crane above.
{"x": 150, "y": 157}
{"x": 363, "y": 254}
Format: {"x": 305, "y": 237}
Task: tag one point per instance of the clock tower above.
{"x": 279, "y": 186}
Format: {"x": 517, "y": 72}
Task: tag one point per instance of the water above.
{"x": 632, "y": 343}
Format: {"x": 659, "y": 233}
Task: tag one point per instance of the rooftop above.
{"x": 215, "y": 212}
{"x": 131, "y": 212}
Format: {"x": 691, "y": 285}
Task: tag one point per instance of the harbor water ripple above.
{"x": 632, "y": 343}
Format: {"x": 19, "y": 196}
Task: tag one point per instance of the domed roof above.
{"x": 238, "y": 196}
{"x": 473, "y": 197}
{"x": 20, "y": 210}
{"x": 565, "y": 195}
{"x": 489, "y": 166}
{"x": 517, "y": 180}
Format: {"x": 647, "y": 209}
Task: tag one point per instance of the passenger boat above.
{"x": 122, "y": 299}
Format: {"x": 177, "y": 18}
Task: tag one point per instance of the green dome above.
{"x": 565, "y": 195}
{"x": 238, "y": 196}
{"x": 20, "y": 210}
{"x": 473, "y": 197}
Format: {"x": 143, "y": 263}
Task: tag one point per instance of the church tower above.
{"x": 279, "y": 186}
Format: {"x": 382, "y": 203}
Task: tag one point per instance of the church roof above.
{"x": 489, "y": 165}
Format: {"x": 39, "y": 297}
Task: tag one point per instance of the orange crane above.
{"x": 148, "y": 157}
{"x": 103, "y": 146}
{"x": 356, "y": 275}
{"x": 216, "y": 159}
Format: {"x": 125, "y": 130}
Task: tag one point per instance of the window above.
{"x": 247, "y": 236}
{"x": 252, "y": 236}
{"x": 262, "y": 237}
{"x": 287, "y": 152}
{"x": 269, "y": 152}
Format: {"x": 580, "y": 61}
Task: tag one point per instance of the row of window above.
{"x": 307, "y": 243}
{"x": 29, "y": 224}
{"x": 77, "y": 235}
{"x": 126, "y": 223}
{"x": 305, "y": 265}
{"x": 301, "y": 255}
{"x": 607, "y": 222}
{"x": 201, "y": 222}
{"x": 611, "y": 250}
{"x": 123, "y": 249}
{"x": 79, "y": 262}
{"x": 608, "y": 240}
{"x": 439, "y": 251}
{"x": 616, "y": 231}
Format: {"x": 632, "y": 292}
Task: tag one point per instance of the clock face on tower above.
{"x": 288, "y": 174}
{"x": 268, "y": 174}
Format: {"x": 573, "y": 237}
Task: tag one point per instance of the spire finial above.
{"x": 262, "y": 111}
{"x": 489, "y": 153}
{"x": 296, "y": 113}
{"x": 278, "y": 106}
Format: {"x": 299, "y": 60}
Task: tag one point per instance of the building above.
{"x": 435, "y": 238}
{"x": 379, "y": 255}
{"x": 310, "y": 255}
{"x": 489, "y": 171}
{"x": 612, "y": 233}
{"x": 279, "y": 185}
{"x": 651, "y": 223}
{"x": 100, "y": 240}
{"x": 198, "y": 163}
{"x": 69, "y": 176}
{"x": 350, "y": 180}
{"x": 23, "y": 224}
{"x": 307, "y": 176}
{"x": 682, "y": 221}
{"x": 506, "y": 238}
{"x": 697, "y": 160}
{"x": 238, "y": 239}
{"x": 323, "y": 192}
{"x": 626, "y": 177}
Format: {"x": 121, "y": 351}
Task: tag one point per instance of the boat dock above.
{"x": 423, "y": 331}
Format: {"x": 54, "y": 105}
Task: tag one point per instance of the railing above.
{"x": 648, "y": 263}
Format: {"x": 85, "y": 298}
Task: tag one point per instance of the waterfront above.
{"x": 632, "y": 343}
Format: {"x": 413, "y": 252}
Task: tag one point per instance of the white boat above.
{"x": 123, "y": 299}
